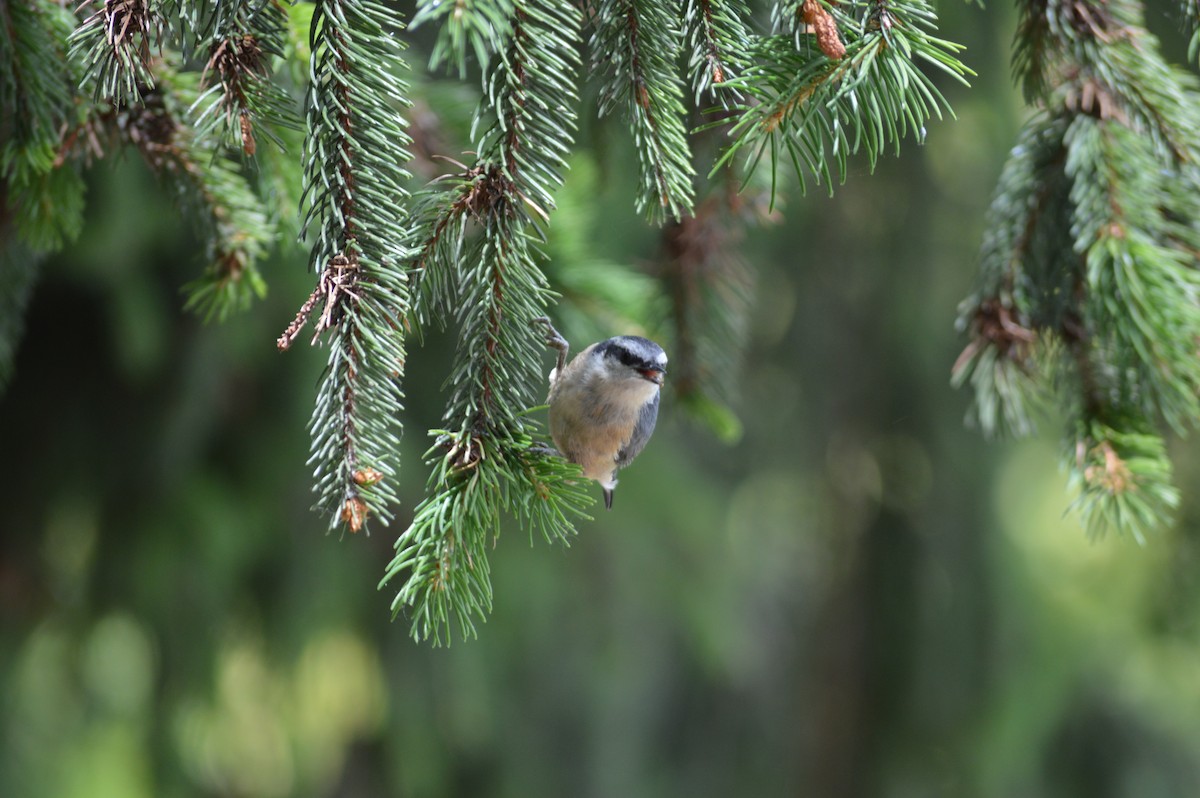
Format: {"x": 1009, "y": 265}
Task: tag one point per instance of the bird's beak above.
{"x": 655, "y": 375}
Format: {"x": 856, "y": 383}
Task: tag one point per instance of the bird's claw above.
{"x": 554, "y": 340}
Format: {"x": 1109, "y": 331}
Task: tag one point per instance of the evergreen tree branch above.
{"x": 1095, "y": 255}
{"x": 354, "y": 174}
{"x": 484, "y": 460}
{"x": 819, "y": 105}
{"x": 228, "y": 213}
{"x": 1143, "y": 290}
{"x": 1023, "y": 291}
{"x": 711, "y": 288}
{"x": 634, "y": 49}
{"x": 115, "y": 43}
{"x": 243, "y": 98}
{"x": 1123, "y": 477}
{"x": 467, "y": 26}
{"x": 153, "y": 116}
{"x": 44, "y": 197}
{"x": 719, "y": 40}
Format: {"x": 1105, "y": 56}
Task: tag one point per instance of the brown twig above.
{"x": 335, "y": 285}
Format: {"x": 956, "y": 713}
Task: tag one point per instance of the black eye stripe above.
{"x": 628, "y": 358}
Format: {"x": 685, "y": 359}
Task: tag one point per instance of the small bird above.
{"x": 604, "y": 403}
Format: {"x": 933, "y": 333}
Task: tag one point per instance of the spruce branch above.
{"x": 448, "y": 577}
{"x": 634, "y": 49}
{"x": 819, "y": 105}
{"x": 142, "y": 99}
{"x": 196, "y": 24}
{"x": 243, "y": 98}
{"x": 44, "y": 197}
{"x": 35, "y": 82}
{"x": 1122, "y": 476}
{"x": 718, "y": 38}
{"x": 1094, "y": 257}
{"x": 354, "y": 174}
{"x": 41, "y": 196}
{"x": 1143, "y": 290}
{"x": 211, "y": 188}
{"x": 115, "y": 42}
{"x": 482, "y": 459}
{"x": 1023, "y": 290}
{"x": 485, "y": 461}
{"x": 467, "y": 26}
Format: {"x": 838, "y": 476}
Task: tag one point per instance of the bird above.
{"x": 604, "y": 403}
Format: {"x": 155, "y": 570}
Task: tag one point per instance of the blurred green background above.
{"x": 860, "y": 598}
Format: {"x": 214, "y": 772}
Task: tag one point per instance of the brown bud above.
{"x": 248, "y": 144}
{"x": 822, "y": 23}
{"x": 354, "y": 513}
{"x": 367, "y": 476}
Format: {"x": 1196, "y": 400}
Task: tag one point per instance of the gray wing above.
{"x": 641, "y": 433}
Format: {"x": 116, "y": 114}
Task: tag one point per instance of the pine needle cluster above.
{"x": 1089, "y": 291}
{"x": 839, "y": 79}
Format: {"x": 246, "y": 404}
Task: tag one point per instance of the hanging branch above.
{"x": 634, "y": 50}
{"x": 478, "y": 27}
{"x": 37, "y": 95}
{"x": 1093, "y": 269}
{"x": 354, "y": 176}
{"x": 821, "y": 104}
{"x": 235, "y": 230}
{"x": 1026, "y": 231}
{"x": 718, "y": 37}
{"x": 190, "y": 85}
{"x": 239, "y": 44}
{"x": 484, "y": 461}
{"x": 1122, "y": 476}
{"x": 41, "y": 200}
{"x": 1142, "y": 287}
{"x": 144, "y": 96}
{"x": 708, "y": 283}
{"x": 115, "y": 44}
{"x": 242, "y": 98}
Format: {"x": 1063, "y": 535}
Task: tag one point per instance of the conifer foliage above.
{"x": 258, "y": 113}
{"x": 353, "y": 173}
{"x": 209, "y": 95}
{"x": 484, "y": 460}
{"x": 1089, "y": 281}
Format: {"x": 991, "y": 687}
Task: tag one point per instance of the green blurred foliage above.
{"x": 860, "y": 598}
